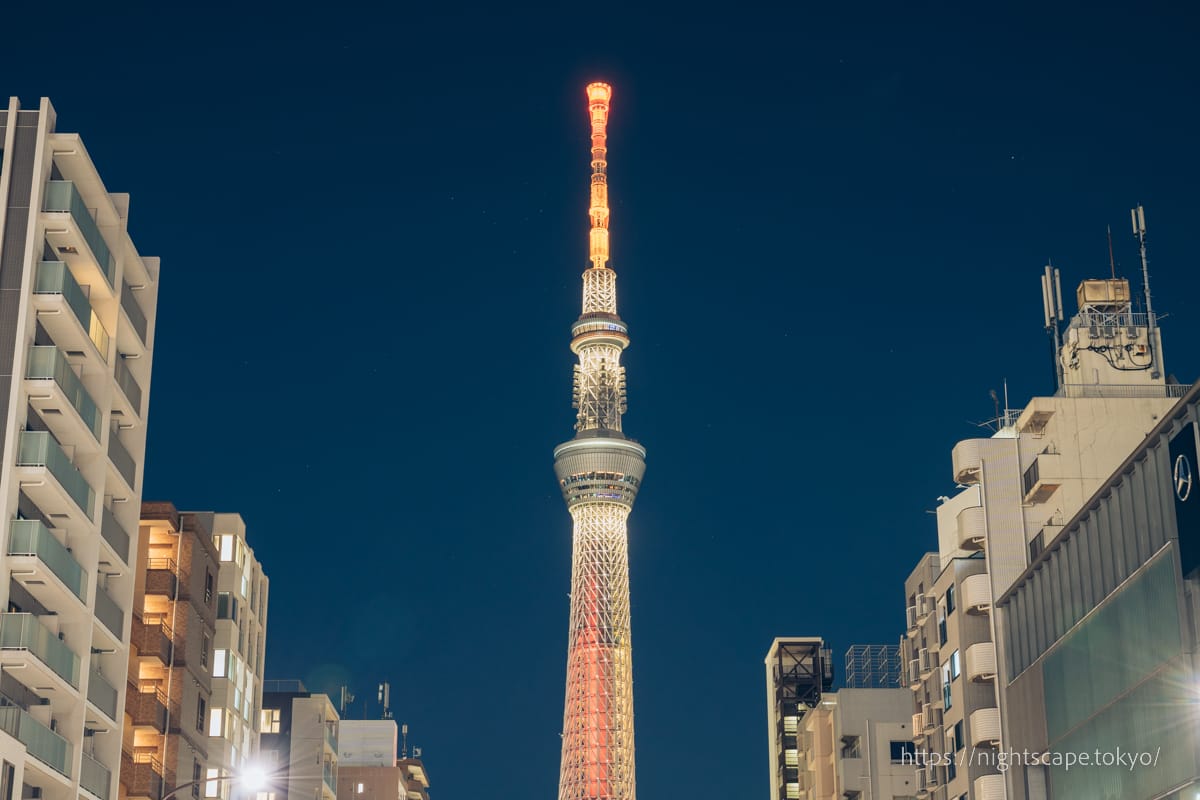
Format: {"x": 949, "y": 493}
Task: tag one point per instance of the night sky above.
{"x": 829, "y": 226}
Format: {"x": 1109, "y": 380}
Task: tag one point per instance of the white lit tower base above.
{"x": 599, "y": 472}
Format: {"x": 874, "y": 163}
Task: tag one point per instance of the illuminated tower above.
{"x": 599, "y": 471}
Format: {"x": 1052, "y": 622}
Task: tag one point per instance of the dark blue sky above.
{"x": 828, "y": 223}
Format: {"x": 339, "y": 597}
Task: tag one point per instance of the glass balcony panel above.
{"x": 114, "y": 534}
{"x": 109, "y": 613}
{"x": 130, "y": 303}
{"x": 39, "y": 449}
{"x": 47, "y": 362}
{"x": 19, "y": 631}
{"x": 42, "y": 743}
{"x": 63, "y": 196}
{"x": 129, "y": 385}
{"x": 29, "y": 537}
{"x": 54, "y": 277}
{"x": 121, "y": 458}
{"x": 103, "y": 695}
{"x": 94, "y": 777}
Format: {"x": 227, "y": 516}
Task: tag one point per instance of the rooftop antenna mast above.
{"x": 385, "y": 699}
{"x": 404, "y": 740}
{"x": 1112, "y": 261}
{"x": 347, "y": 699}
{"x": 1138, "y": 215}
{"x": 1052, "y": 310}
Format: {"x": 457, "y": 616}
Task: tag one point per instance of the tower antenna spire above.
{"x": 599, "y": 472}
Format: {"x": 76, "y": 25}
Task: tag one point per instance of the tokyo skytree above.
{"x": 599, "y": 471}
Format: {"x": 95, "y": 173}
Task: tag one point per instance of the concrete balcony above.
{"x": 931, "y": 717}
{"x": 103, "y": 695}
{"x": 110, "y": 614}
{"x": 120, "y": 458}
{"x": 64, "y": 310}
{"x": 44, "y": 566}
{"x": 59, "y": 395}
{"x": 162, "y": 577}
{"x": 967, "y": 460}
{"x": 972, "y": 528}
{"x": 985, "y": 727}
{"x": 981, "y": 662}
{"x": 918, "y": 726}
{"x": 914, "y": 673}
{"x": 1043, "y": 477}
{"x": 50, "y": 479}
{"x": 134, "y": 313}
{"x": 95, "y": 778}
{"x": 977, "y": 594}
{"x": 927, "y": 662}
{"x": 25, "y": 643}
{"x": 114, "y": 535}
{"x": 141, "y": 774}
{"x": 72, "y": 230}
{"x": 989, "y": 787}
{"x": 48, "y": 748}
{"x": 129, "y": 399}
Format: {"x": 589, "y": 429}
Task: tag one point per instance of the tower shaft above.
{"x": 599, "y": 472}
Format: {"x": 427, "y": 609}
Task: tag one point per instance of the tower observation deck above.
{"x": 599, "y": 472}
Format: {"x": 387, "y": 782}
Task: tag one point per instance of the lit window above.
{"x": 220, "y": 662}
{"x": 212, "y": 787}
{"x": 359, "y": 789}
{"x": 227, "y": 548}
{"x": 954, "y": 668}
{"x": 269, "y": 721}
{"x": 216, "y": 719}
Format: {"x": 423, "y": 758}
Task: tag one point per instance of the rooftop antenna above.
{"x": 404, "y": 740}
{"x": 347, "y": 699}
{"x": 1053, "y": 313}
{"x": 996, "y": 403}
{"x": 1112, "y": 261}
{"x": 1138, "y": 215}
{"x": 385, "y": 699}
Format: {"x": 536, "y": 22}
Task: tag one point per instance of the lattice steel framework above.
{"x": 599, "y": 471}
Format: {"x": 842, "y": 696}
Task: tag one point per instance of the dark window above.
{"x": 208, "y": 588}
{"x": 950, "y": 599}
{"x": 903, "y": 752}
{"x": 204, "y": 650}
{"x": 196, "y": 775}
{"x": 958, "y": 736}
{"x": 226, "y": 606}
{"x": 7, "y": 776}
{"x": 200, "y": 715}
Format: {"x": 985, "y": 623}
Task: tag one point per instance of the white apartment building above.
{"x": 238, "y": 654}
{"x": 1016, "y": 490}
{"x": 77, "y": 319}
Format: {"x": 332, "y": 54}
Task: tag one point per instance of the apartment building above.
{"x": 1016, "y": 491}
{"x": 1103, "y": 629}
{"x": 77, "y": 320}
{"x": 238, "y": 655}
{"x": 165, "y": 738}
{"x": 299, "y": 741}
{"x": 799, "y": 669}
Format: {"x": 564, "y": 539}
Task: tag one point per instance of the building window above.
{"x": 941, "y": 624}
{"x": 212, "y": 788}
{"x": 850, "y": 747}
{"x": 220, "y": 663}
{"x": 201, "y": 713}
{"x": 903, "y": 752}
{"x": 958, "y": 736}
{"x": 947, "y": 696}
{"x": 227, "y": 548}
{"x": 269, "y": 722}
{"x": 215, "y": 719}
{"x": 954, "y": 667}
{"x": 197, "y": 774}
{"x": 950, "y": 599}
{"x": 358, "y": 789}
{"x": 226, "y": 606}
{"x": 208, "y": 587}
{"x": 205, "y": 642}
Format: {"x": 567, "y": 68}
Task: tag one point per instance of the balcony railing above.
{"x": 29, "y": 537}
{"x": 121, "y": 459}
{"x": 331, "y": 737}
{"x": 109, "y": 613}
{"x": 103, "y": 695}
{"x": 63, "y": 196}
{"x": 1077, "y": 390}
{"x": 42, "y": 743}
{"x": 19, "y": 631}
{"x": 149, "y": 707}
{"x": 47, "y": 362}
{"x": 142, "y": 774}
{"x": 114, "y": 534}
{"x": 162, "y": 577}
{"x": 39, "y": 449}
{"x": 155, "y": 638}
{"x": 54, "y": 277}
{"x": 94, "y": 777}
{"x": 125, "y": 379}
{"x": 134, "y": 310}
{"x": 330, "y": 774}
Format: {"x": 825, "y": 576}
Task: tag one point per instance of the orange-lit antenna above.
{"x": 599, "y": 97}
